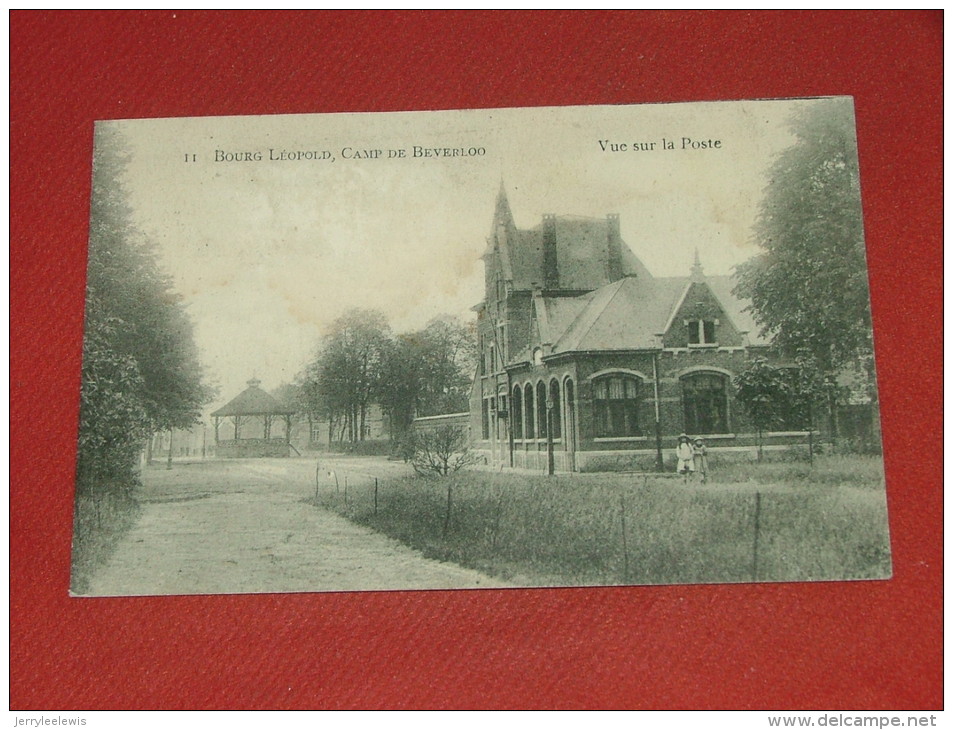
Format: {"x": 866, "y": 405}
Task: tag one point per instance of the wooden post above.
{"x": 509, "y": 429}
{"x": 550, "y": 457}
{"x": 345, "y": 491}
{"x": 317, "y": 472}
{"x": 375, "y": 495}
{"x": 168, "y": 464}
{"x": 625, "y": 543}
{"x": 446, "y": 519}
{"x": 496, "y": 522}
{"x": 659, "y": 459}
{"x": 757, "y": 530}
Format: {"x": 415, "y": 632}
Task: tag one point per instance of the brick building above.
{"x": 581, "y": 345}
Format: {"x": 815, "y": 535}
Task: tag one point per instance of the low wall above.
{"x": 252, "y": 448}
{"x": 622, "y": 457}
{"x": 432, "y": 423}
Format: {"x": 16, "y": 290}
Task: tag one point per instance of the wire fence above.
{"x": 608, "y": 529}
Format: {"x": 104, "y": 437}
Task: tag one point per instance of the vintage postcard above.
{"x": 500, "y": 348}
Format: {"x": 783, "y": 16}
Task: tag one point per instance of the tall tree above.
{"x": 347, "y": 371}
{"x": 401, "y": 383}
{"x": 141, "y": 370}
{"x": 448, "y": 353}
{"x": 428, "y": 372}
{"x": 809, "y": 287}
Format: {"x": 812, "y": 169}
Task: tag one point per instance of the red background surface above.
{"x": 870, "y": 645}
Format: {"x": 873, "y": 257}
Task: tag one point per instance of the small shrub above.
{"x": 442, "y": 451}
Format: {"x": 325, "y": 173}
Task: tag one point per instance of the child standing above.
{"x": 685, "y": 456}
{"x": 700, "y": 457}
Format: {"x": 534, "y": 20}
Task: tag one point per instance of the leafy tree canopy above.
{"x": 809, "y": 286}
{"x": 141, "y": 369}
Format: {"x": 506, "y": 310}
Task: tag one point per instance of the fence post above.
{"x": 317, "y": 472}
{"x": 757, "y": 529}
{"x": 345, "y": 491}
{"x": 446, "y": 521}
{"x": 625, "y": 542}
{"x": 375, "y": 495}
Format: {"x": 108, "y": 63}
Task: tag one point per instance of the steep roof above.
{"x": 253, "y": 401}
{"x": 581, "y": 246}
{"x": 628, "y": 314}
{"x": 561, "y": 312}
{"x": 625, "y": 315}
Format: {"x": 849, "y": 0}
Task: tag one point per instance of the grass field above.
{"x": 98, "y": 525}
{"x": 771, "y": 522}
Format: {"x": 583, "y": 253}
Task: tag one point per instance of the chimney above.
{"x": 550, "y": 264}
{"x": 614, "y": 248}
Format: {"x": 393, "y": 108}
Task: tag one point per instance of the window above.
{"x": 528, "y": 408}
{"x": 516, "y": 418}
{"x": 705, "y": 396}
{"x": 486, "y": 419}
{"x": 557, "y": 412}
{"x": 701, "y": 331}
{"x": 540, "y": 410}
{"x": 616, "y": 402}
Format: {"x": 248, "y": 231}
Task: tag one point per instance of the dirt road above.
{"x": 243, "y": 526}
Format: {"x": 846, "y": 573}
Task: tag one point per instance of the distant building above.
{"x": 577, "y": 339}
{"x": 190, "y": 443}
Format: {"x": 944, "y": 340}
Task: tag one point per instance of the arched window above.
{"x": 557, "y": 409}
{"x": 541, "y": 410}
{"x": 570, "y": 415}
{"x": 516, "y": 417}
{"x": 615, "y": 399}
{"x": 705, "y": 396}
{"x": 530, "y": 412}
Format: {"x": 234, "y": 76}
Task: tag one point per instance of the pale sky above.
{"x": 268, "y": 252}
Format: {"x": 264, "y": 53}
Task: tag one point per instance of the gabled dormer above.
{"x": 700, "y": 320}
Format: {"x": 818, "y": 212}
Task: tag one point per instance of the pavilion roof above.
{"x": 253, "y": 401}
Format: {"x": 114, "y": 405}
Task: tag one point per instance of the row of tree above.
{"x": 141, "y": 371}
{"x": 809, "y": 288}
{"x": 360, "y": 361}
